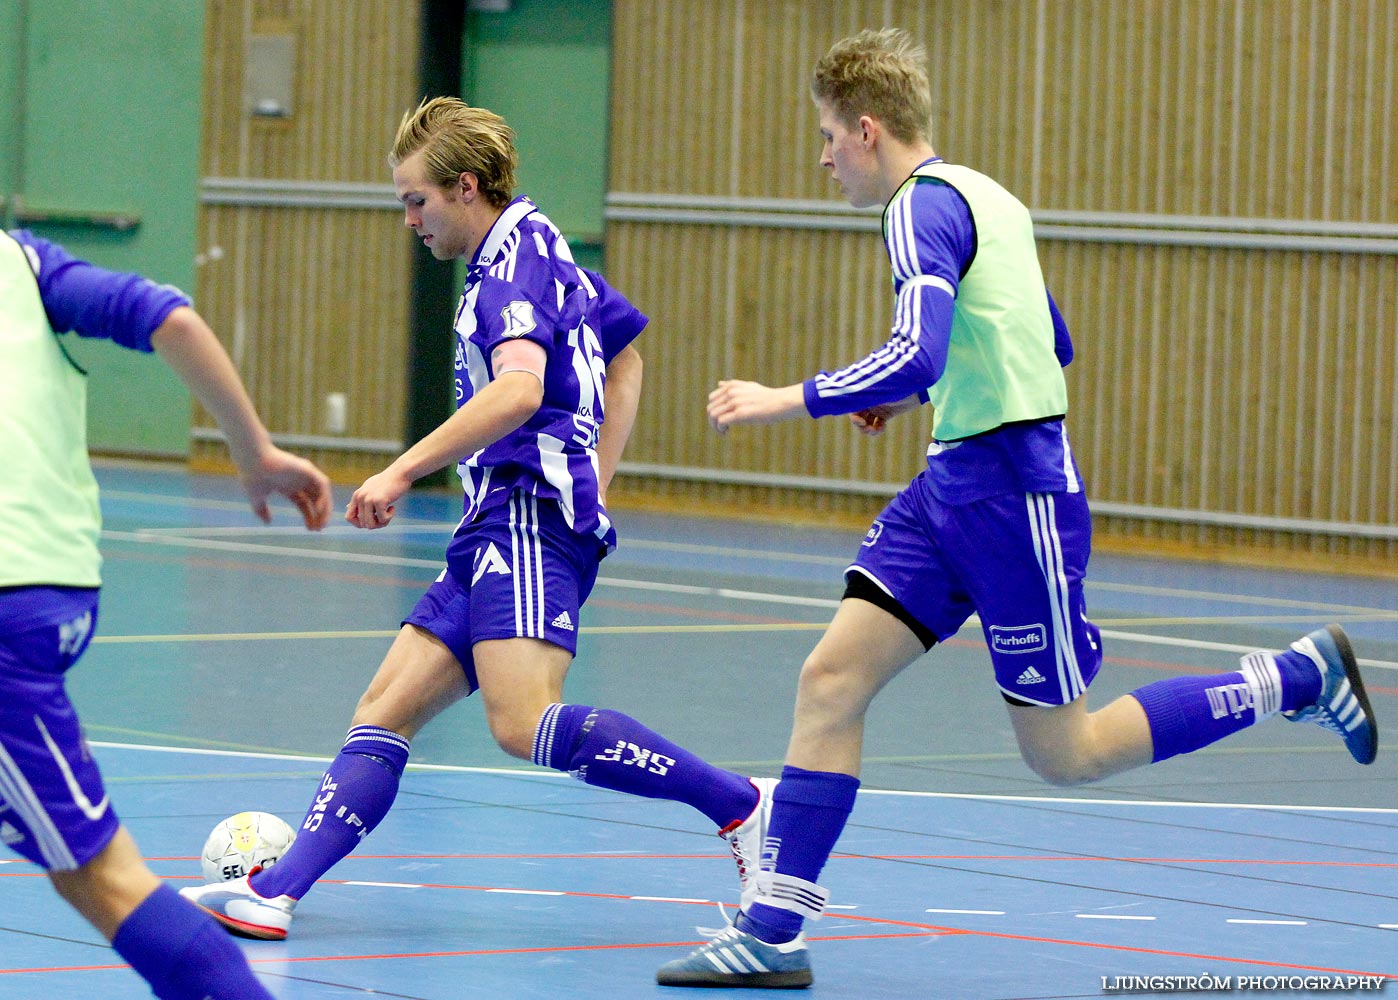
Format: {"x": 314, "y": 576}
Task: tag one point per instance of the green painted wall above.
{"x": 112, "y": 98}
{"x": 112, "y": 92}
{"x": 10, "y": 67}
{"x": 545, "y": 66}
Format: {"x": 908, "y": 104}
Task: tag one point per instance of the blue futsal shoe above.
{"x": 1343, "y": 706}
{"x": 735, "y": 958}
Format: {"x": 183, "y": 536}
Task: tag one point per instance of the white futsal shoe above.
{"x": 745, "y": 837}
{"x": 238, "y": 907}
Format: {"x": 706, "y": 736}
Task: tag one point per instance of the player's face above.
{"x": 849, "y": 158}
{"x": 436, "y": 214}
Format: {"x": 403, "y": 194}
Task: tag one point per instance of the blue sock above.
{"x": 354, "y": 795}
{"x": 611, "y": 750}
{"x": 183, "y": 953}
{"x": 1300, "y": 679}
{"x": 1187, "y": 713}
{"x": 809, "y": 810}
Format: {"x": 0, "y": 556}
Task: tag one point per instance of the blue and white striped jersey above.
{"x": 931, "y": 239}
{"x": 523, "y": 283}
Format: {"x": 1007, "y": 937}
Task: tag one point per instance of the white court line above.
{"x": 541, "y": 773}
{"x": 529, "y": 892}
{"x": 388, "y": 885}
{"x": 973, "y": 913}
{"x": 1110, "y": 916}
{"x": 417, "y": 526}
{"x": 1222, "y": 647}
{"x": 692, "y": 547}
{"x": 269, "y": 530}
{"x": 671, "y": 588}
{"x": 1147, "y": 803}
{"x": 1268, "y": 923}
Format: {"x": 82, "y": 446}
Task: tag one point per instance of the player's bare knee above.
{"x": 1064, "y": 769}
{"x": 830, "y": 686}
{"x": 513, "y": 732}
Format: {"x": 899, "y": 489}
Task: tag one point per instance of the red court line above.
{"x": 1282, "y": 862}
{"x": 64, "y": 968}
{"x": 470, "y": 953}
{"x": 1129, "y": 948}
{"x": 920, "y": 929}
{"x": 837, "y": 856}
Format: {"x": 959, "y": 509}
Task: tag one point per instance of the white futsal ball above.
{"x": 242, "y": 842}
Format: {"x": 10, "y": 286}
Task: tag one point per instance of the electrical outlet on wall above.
{"x": 335, "y": 412}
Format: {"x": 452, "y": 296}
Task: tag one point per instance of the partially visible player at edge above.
{"x": 54, "y": 809}
{"x": 997, "y": 524}
{"x": 541, "y": 343}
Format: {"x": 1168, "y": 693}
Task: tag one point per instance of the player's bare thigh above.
{"x": 519, "y": 678}
{"x": 418, "y": 679}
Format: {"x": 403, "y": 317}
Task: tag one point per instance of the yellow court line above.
{"x": 1382, "y": 616}
{"x": 389, "y": 634}
{"x": 244, "y": 636}
{"x": 678, "y": 629}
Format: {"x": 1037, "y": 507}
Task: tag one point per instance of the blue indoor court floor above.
{"x": 230, "y": 655}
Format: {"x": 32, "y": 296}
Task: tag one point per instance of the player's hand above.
{"x": 869, "y": 422}
{"x": 873, "y": 420}
{"x": 294, "y": 478}
{"x": 738, "y": 402}
{"x": 374, "y": 503}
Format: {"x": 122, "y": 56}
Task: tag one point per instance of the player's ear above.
{"x": 868, "y": 130}
{"x": 467, "y": 184}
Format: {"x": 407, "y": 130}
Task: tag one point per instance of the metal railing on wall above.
{"x": 1068, "y": 226}
{"x": 1275, "y": 235}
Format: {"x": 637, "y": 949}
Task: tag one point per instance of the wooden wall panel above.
{"x": 1216, "y": 373}
{"x": 312, "y": 300}
{"x": 355, "y": 75}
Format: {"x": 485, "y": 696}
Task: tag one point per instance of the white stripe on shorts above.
{"x": 21, "y": 798}
{"x": 528, "y": 566}
{"x": 1048, "y": 549}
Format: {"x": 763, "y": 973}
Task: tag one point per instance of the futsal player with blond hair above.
{"x": 547, "y": 386}
{"x": 996, "y": 524}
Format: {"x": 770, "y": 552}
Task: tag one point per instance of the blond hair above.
{"x": 882, "y": 74}
{"x": 456, "y": 138}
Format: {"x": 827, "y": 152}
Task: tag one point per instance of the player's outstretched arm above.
{"x": 623, "y": 398}
{"x": 738, "y": 402}
{"x": 185, "y": 343}
{"x": 499, "y": 408}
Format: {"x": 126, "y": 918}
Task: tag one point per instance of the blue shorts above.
{"x": 53, "y": 808}
{"x": 517, "y": 571}
{"x": 1017, "y": 560}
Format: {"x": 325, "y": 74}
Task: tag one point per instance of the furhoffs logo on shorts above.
{"x": 1018, "y": 639}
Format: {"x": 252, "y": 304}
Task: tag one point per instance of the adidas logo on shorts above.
{"x": 563, "y": 621}
{"x": 1031, "y": 676}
